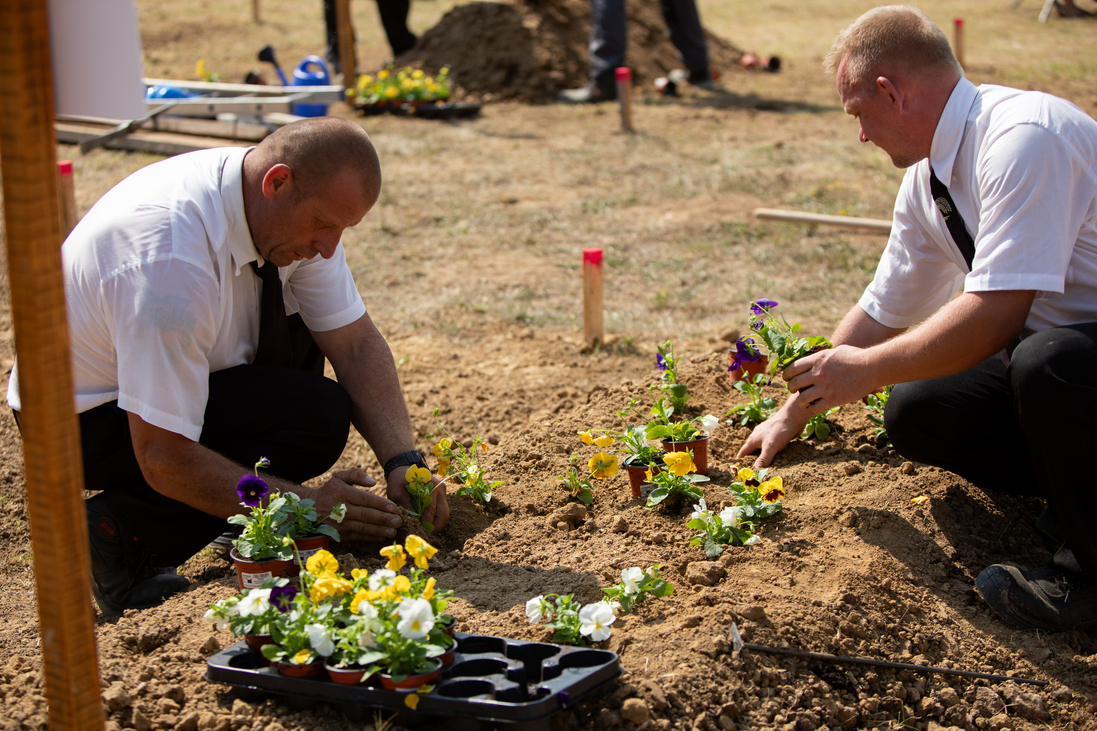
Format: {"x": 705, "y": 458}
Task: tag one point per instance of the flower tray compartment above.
{"x": 493, "y": 682}
{"x": 423, "y": 110}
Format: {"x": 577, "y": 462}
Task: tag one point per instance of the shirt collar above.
{"x": 241, "y": 245}
{"x": 950, "y": 129}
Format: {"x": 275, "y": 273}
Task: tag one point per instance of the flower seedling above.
{"x": 633, "y": 440}
{"x": 636, "y": 586}
{"x": 817, "y": 426}
{"x": 875, "y": 404}
{"x": 676, "y": 482}
{"x": 668, "y": 383}
{"x": 663, "y": 426}
{"x": 390, "y": 86}
{"x": 571, "y": 622}
{"x": 302, "y": 518}
{"x": 462, "y": 464}
{"x": 726, "y": 528}
{"x": 785, "y": 344}
{"x": 760, "y": 406}
{"x": 264, "y": 527}
{"x": 420, "y": 487}
{"x": 757, "y": 495}
{"x": 578, "y": 488}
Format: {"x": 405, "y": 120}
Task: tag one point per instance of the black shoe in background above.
{"x": 125, "y": 574}
{"x": 591, "y": 93}
{"x": 1046, "y": 598}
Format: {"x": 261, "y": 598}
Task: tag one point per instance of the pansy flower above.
{"x": 660, "y": 362}
{"x": 281, "y": 597}
{"x": 772, "y": 490}
{"x": 251, "y": 490}
{"x": 395, "y": 555}
{"x": 745, "y": 352}
{"x": 679, "y": 463}
{"x": 603, "y": 465}
{"x": 762, "y": 305}
{"x": 420, "y": 550}
{"x": 322, "y": 563}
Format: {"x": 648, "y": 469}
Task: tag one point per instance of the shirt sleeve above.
{"x": 323, "y": 291}
{"x": 164, "y": 316}
{"x": 1034, "y": 192}
{"x": 915, "y": 277}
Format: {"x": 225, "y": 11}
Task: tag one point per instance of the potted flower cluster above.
{"x": 682, "y": 435}
{"x": 406, "y": 86}
{"x": 782, "y": 340}
{"x": 261, "y": 553}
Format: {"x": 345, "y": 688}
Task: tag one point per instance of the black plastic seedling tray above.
{"x": 492, "y": 682}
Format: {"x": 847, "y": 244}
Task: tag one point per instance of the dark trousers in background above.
{"x": 609, "y": 37}
{"x": 394, "y": 18}
{"x": 1029, "y": 429}
{"x": 295, "y": 417}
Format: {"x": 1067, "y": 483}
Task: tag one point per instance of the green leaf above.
{"x": 328, "y": 530}
{"x": 712, "y": 550}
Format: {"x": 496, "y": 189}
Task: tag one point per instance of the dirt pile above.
{"x": 528, "y": 51}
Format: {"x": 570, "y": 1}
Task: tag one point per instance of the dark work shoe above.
{"x": 125, "y": 574}
{"x": 1044, "y": 598}
{"x": 592, "y": 93}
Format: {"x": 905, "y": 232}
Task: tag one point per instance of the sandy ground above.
{"x": 470, "y": 265}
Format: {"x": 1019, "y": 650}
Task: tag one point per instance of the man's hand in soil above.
{"x": 774, "y": 434}
{"x": 369, "y": 516}
{"x": 437, "y": 513}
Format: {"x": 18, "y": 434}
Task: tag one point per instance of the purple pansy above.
{"x": 745, "y": 352}
{"x": 251, "y": 490}
{"x": 660, "y": 362}
{"x": 282, "y": 597}
{"x": 757, "y": 325}
{"x": 760, "y": 306}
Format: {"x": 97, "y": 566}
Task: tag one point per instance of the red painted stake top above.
{"x": 624, "y": 74}
{"x": 593, "y": 256}
{"x": 64, "y": 167}
{"x": 959, "y": 22}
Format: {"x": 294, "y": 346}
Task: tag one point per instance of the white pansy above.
{"x": 629, "y": 577}
{"x": 339, "y": 512}
{"x": 729, "y": 516}
{"x": 320, "y": 639}
{"x": 594, "y": 621}
{"x": 533, "y": 609}
{"x": 752, "y": 541}
{"x": 416, "y": 619}
{"x": 709, "y": 423}
{"x": 367, "y": 639}
{"x": 256, "y": 603}
{"x": 613, "y": 604}
{"x": 381, "y": 578}
{"x": 216, "y": 618}
{"x": 700, "y": 510}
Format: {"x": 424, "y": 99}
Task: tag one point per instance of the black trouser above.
{"x": 394, "y": 18}
{"x": 609, "y": 37}
{"x": 296, "y": 418}
{"x": 1029, "y": 429}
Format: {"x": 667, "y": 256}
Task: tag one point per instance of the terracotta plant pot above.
{"x": 449, "y": 627}
{"x": 412, "y": 681}
{"x": 345, "y": 676}
{"x": 306, "y": 547}
{"x": 747, "y": 369}
{"x": 293, "y": 670}
{"x": 637, "y": 474}
{"x": 255, "y": 643}
{"x": 700, "y": 452}
{"x": 250, "y": 574}
{"x": 447, "y": 656}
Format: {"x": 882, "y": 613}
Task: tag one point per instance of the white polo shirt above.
{"x": 161, "y": 293}
{"x": 1021, "y": 168}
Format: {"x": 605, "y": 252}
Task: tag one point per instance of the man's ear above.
{"x": 277, "y": 181}
{"x": 894, "y": 93}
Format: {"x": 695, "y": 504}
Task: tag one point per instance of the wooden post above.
{"x": 592, "y": 295}
{"x": 348, "y": 56}
{"x": 958, "y": 39}
{"x": 624, "y": 97}
{"x": 68, "y": 197}
{"x": 51, "y": 439}
{"x": 255, "y": 11}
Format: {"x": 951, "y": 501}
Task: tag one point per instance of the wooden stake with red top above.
{"x": 958, "y": 39}
{"x": 624, "y": 97}
{"x": 592, "y": 295}
{"x": 68, "y": 197}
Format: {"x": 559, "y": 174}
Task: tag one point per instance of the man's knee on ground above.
{"x": 1051, "y": 365}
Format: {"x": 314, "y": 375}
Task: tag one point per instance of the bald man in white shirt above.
{"x": 984, "y": 306}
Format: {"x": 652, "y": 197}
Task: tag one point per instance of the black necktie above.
{"x": 953, "y": 220}
{"x": 275, "y": 347}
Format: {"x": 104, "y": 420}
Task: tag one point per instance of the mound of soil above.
{"x": 529, "y": 51}
{"x": 851, "y": 566}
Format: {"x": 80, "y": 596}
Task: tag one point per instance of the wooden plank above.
{"x": 348, "y": 54}
{"x": 775, "y": 214}
{"x": 330, "y": 93}
{"x": 225, "y": 126}
{"x": 51, "y": 437}
{"x": 161, "y": 143}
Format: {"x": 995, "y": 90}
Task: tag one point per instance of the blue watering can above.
{"x": 312, "y": 71}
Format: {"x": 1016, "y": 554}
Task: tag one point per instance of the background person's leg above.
{"x": 394, "y": 18}
{"x": 687, "y": 35}
{"x": 608, "y": 43}
{"x": 964, "y": 423}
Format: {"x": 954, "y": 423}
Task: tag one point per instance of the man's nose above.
{"x": 861, "y": 134}
{"x": 326, "y": 244}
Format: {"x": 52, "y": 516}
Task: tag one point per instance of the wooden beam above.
{"x": 348, "y": 56}
{"x": 162, "y": 143}
{"x": 775, "y": 214}
{"x": 51, "y": 437}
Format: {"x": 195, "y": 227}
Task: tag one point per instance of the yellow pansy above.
{"x": 420, "y": 550}
{"x": 417, "y": 74}
{"x": 361, "y": 596}
{"x": 328, "y": 586}
{"x": 604, "y": 441}
{"x": 322, "y": 562}
{"x": 357, "y": 574}
{"x": 382, "y": 74}
{"x": 647, "y": 475}
{"x": 920, "y": 499}
{"x": 772, "y": 490}
{"x": 603, "y": 465}
{"x": 395, "y": 555}
{"x": 441, "y": 446}
{"x": 679, "y": 463}
{"x": 200, "y": 68}
{"x": 417, "y": 477}
{"x": 401, "y": 585}
{"x": 586, "y": 437}
{"x": 748, "y": 478}
{"x": 443, "y": 466}
{"x": 411, "y": 700}
{"x": 428, "y": 590}
{"x": 391, "y": 92}
{"x": 303, "y": 657}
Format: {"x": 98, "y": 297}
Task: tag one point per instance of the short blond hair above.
{"x": 891, "y": 36}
